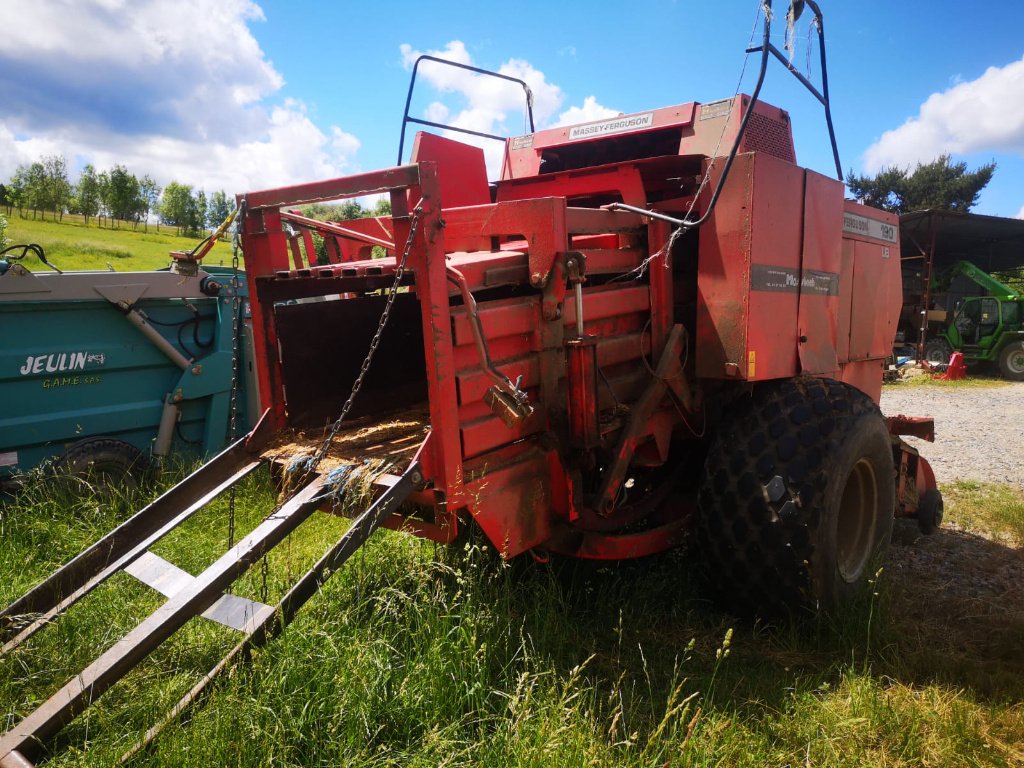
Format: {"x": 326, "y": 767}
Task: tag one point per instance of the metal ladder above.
{"x": 126, "y": 549}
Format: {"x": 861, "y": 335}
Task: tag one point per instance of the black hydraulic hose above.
{"x": 766, "y": 48}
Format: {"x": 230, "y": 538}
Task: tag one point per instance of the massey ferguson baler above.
{"x": 652, "y": 330}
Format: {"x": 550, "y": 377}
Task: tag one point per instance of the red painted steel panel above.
{"x": 820, "y": 273}
{"x": 776, "y": 240}
{"x": 748, "y": 275}
{"x": 461, "y": 170}
{"x": 876, "y": 285}
{"x": 845, "y": 303}
{"x": 513, "y": 503}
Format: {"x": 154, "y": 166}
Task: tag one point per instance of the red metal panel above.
{"x": 820, "y": 273}
{"x": 875, "y": 286}
{"x": 775, "y": 276}
{"x": 621, "y": 180}
{"x": 865, "y": 375}
{"x": 462, "y": 172}
{"x": 523, "y": 152}
{"x": 428, "y": 262}
{"x": 749, "y": 273}
{"x": 516, "y": 495}
{"x": 845, "y": 303}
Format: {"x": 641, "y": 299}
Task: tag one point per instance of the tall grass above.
{"x": 420, "y": 655}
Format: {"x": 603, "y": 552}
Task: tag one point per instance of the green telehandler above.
{"x": 986, "y": 329}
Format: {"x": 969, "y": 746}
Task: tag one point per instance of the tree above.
{"x": 200, "y": 211}
{"x": 174, "y": 206}
{"x": 55, "y": 186}
{"x": 124, "y": 194}
{"x": 149, "y": 194}
{"x": 87, "y": 198}
{"x": 219, "y": 209}
{"x": 6, "y": 201}
{"x": 938, "y": 184}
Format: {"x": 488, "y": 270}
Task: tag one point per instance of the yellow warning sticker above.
{"x": 751, "y": 363}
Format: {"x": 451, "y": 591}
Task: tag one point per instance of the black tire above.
{"x": 930, "y": 510}
{"x": 104, "y": 463}
{"x": 797, "y": 500}
{"x": 937, "y": 351}
{"x": 1011, "y": 361}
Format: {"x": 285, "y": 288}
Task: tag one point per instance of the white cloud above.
{"x": 488, "y": 105}
{"x": 589, "y": 112}
{"x": 982, "y": 115}
{"x": 1020, "y": 213}
{"x": 172, "y": 88}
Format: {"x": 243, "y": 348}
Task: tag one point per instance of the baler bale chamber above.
{"x": 576, "y": 375}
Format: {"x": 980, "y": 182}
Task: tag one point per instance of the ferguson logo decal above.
{"x": 62, "y": 361}
{"x": 616, "y": 125}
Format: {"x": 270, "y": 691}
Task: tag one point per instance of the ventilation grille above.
{"x": 769, "y": 136}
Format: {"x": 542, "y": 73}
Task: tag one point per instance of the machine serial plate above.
{"x": 855, "y": 224}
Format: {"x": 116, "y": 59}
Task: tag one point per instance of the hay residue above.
{"x": 392, "y": 440}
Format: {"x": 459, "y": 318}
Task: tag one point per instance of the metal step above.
{"x": 42, "y": 604}
{"x": 201, "y": 595}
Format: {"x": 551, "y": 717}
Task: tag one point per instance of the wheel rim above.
{"x": 1015, "y": 361}
{"x": 936, "y": 355}
{"x": 855, "y": 528}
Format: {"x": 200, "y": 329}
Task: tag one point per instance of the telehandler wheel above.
{"x": 937, "y": 351}
{"x": 1011, "y": 361}
{"x": 797, "y": 499}
{"x": 104, "y": 463}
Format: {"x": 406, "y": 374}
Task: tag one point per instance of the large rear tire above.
{"x": 1011, "y": 361}
{"x": 797, "y": 500}
{"x": 103, "y": 463}
{"x": 937, "y": 351}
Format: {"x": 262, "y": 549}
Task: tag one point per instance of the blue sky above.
{"x": 237, "y": 94}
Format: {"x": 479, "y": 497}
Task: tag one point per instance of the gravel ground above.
{"x": 979, "y": 432}
{"x": 961, "y": 592}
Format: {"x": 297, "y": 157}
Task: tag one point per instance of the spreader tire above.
{"x": 797, "y": 500}
{"x": 103, "y": 462}
{"x": 1011, "y": 361}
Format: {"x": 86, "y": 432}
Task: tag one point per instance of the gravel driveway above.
{"x": 979, "y": 432}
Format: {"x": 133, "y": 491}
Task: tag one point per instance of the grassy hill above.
{"x": 71, "y": 245}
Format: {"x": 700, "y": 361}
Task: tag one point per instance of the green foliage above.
{"x": 149, "y": 196}
{"x": 219, "y": 208}
{"x": 939, "y": 184}
{"x": 88, "y": 193}
{"x": 3, "y": 232}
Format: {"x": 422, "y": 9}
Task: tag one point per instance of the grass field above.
{"x": 71, "y": 245}
{"x": 418, "y": 655}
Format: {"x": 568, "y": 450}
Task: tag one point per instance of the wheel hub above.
{"x": 855, "y": 527}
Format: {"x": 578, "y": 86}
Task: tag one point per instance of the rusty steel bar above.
{"x": 336, "y": 229}
{"x": 46, "y": 617}
{"x": 90, "y": 683}
{"x": 46, "y": 595}
{"x": 264, "y": 628}
{"x": 400, "y": 177}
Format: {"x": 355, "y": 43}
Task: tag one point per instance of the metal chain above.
{"x": 236, "y": 314}
{"x": 374, "y": 343}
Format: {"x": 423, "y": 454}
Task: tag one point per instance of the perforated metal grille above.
{"x": 769, "y": 136}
